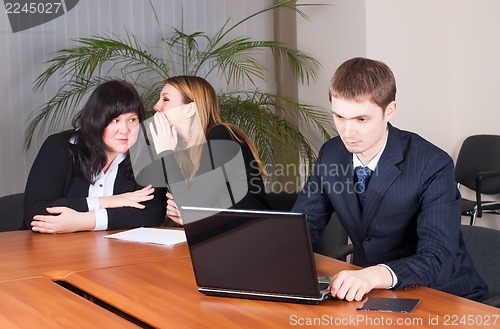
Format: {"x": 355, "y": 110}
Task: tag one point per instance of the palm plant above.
{"x": 260, "y": 114}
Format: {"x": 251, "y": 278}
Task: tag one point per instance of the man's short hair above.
{"x": 361, "y": 79}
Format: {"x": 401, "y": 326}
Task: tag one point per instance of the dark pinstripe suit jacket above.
{"x": 53, "y": 181}
{"x": 411, "y": 218}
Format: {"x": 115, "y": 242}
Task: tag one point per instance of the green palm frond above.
{"x": 256, "y": 113}
{"x": 150, "y": 96}
{"x": 185, "y": 46}
{"x": 290, "y": 4}
{"x": 88, "y": 59}
{"x": 56, "y": 110}
{"x": 236, "y": 64}
{"x": 232, "y": 60}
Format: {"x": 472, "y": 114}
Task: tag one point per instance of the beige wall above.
{"x": 335, "y": 33}
{"x": 445, "y": 55}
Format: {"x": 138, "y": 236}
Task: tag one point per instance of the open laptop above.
{"x": 253, "y": 254}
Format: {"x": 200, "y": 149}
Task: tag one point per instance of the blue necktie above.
{"x": 363, "y": 175}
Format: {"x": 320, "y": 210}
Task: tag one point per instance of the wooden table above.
{"x": 40, "y": 303}
{"x": 155, "y": 284}
{"x": 164, "y": 294}
{"x": 25, "y": 254}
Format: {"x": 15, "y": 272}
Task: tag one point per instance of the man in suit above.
{"x": 393, "y": 191}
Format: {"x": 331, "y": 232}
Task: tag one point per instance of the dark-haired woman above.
{"x": 82, "y": 179}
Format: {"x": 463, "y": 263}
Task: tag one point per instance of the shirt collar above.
{"x": 374, "y": 162}
{"x": 117, "y": 160}
{"x": 112, "y": 167}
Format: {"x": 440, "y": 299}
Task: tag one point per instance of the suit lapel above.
{"x": 383, "y": 177}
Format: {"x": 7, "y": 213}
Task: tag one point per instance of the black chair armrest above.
{"x": 479, "y": 182}
{"x": 342, "y": 252}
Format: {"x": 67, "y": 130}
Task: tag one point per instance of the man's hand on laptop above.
{"x": 354, "y": 284}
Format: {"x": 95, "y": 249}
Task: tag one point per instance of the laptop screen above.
{"x": 266, "y": 252}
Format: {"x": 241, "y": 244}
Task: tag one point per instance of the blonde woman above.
{"x": 187, "y": 117}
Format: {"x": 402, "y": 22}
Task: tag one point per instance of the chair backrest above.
{"x": 483, "y": 245}
{"x": 333, "y": 241}
{"x": 479, "y": 153}
{"x": 283, "y": 201}
{"x": 11, "y": 210}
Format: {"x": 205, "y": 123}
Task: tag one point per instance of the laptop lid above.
{"x": 252, "y": 254}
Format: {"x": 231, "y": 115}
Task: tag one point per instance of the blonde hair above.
{"x": 200, "y": 91}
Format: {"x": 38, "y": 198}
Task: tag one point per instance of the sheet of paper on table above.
{"x": 166, "y": 237}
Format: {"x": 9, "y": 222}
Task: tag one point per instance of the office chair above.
{"x": 282, "y": 201}
{"x": 11, "y": 210}
{"x": 483, "y": 245}
{"x": 478, "y": 168}
{"x": 334, "y": 240}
